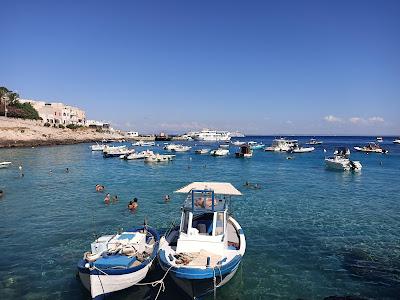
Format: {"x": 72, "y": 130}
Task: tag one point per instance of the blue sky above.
{"x": 263, "y": 67}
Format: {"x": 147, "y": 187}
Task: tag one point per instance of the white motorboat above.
{"x": 219, "y": 152}
{"x": 379, "y": 139}
{"x": 171, "y": 147}
{"x": 156, "y": 158}
{"x": 119, "y": 261}
{"x": 181, "y": 148}
{"x": 281, "y": 145}
{"x": 371, "y": 147}
{"x": 255, "y": 145}
{"x": 139, "y": 155}
{"x": 144, "y": 144}
{"x": 238, "y": 143}
{"x": 202, "y": 151}
{"x": 98, "y": 147}
{"x": 211, "y": 135}
{"x": 298, "y": 149}
{"x": 340, "y": 161}
{"x": 117, "y": 152}
{"x": 244, "y": 151}
{"x": 5, "y": 164}
{"x": 204, "y": 252}
{"x": 396, "y": 141}
{"x": 314, "y": 142}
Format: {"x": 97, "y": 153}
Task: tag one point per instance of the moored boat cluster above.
{"x": 201, "y": 254}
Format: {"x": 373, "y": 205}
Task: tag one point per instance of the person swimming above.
{"x": 99, "y": 188}
{"x": 167, "y": 198}
{"x": 1, "y": 193}
{"x": 115, "y": 199}
{"x": 67, "y": 170}
{"x": 107, "y": 199}
{"x": 133, "y": 204}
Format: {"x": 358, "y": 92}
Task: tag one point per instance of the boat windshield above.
{"x": 205, "y": 201}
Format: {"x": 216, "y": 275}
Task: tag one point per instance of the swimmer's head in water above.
{"x": 135, "y": 200}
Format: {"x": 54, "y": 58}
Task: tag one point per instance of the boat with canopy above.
{"x": 205, "y": 250}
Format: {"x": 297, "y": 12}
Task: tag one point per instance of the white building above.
{"x": 132, "y": 134}
{"x": 58, "y": 113}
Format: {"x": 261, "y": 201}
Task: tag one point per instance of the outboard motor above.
{"x": 352, "y": 165}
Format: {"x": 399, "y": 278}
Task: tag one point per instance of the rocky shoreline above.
{"x": 27, "y": 133}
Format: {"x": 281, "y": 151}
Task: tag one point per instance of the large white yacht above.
{"x": 212, "y": 135}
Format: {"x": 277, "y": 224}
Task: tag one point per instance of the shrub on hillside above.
{"x": 61, "y": 126}
{"x": 47, "y": 124}
{"x": 73, "y": 126}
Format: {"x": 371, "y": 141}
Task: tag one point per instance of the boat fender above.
{"x": 208, "y": 261}
{"x": 171, "y": 258}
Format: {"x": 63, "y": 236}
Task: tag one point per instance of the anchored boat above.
{"x": 5, "y": 164}
{"x": 281, "y": 145}
{"x": 219, "y": 152}
{"x": 314, "y": 142}
{"x": 255, "y": 145}
{"x": 98, "y": 147}
{"x": 341, "y": 161}
{"x": 297, "y": 148}
{"x": 138, "y": 155}
{"x": 244, "y": 151}
{"x": 202, "y": 151}
{"x": 205, "y": 251}
{"x": 156, "y": 158}
{"x": 371, "y": 147}
{"x": 119, "y": 261}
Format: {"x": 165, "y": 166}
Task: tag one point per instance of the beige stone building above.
{"x": 58, "y": 113}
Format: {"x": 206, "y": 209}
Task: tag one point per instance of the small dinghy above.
{"x": 117, "y": 262}
{"x": 5, "y": 164}
{"x": 205, "y": 251}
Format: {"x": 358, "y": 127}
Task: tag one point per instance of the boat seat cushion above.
{"x": 114, "y": 261}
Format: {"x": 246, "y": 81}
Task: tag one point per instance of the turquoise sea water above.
{"x": 311, "y": 233}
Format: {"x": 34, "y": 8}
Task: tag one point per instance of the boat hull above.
{"x": 198, "y": 288}
{"x": 100, "y": 284}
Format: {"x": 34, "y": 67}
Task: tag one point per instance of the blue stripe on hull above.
{"x": 197, "y": 282}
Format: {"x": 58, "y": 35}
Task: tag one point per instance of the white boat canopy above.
{"x": 221, "y": 188}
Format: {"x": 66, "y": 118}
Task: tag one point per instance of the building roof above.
{"x": 221, "y": 188}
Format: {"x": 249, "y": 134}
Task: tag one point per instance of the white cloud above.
{"x": 376, "y": 120}
{"x": 332, "y": 119}
{"x": 356, "y": 120}
{"x": 289, "y": 122}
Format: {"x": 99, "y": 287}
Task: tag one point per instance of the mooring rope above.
{"x": 157, "y": 282}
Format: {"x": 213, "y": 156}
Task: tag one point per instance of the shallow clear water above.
{"x": 311, "y": 233}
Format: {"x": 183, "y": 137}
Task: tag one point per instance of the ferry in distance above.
{"x": 212, "y": 135}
